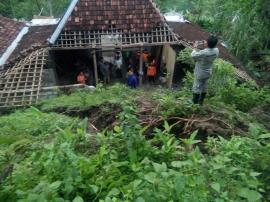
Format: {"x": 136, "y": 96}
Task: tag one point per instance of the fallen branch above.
{"x": 94, "y": 127}
{"x": 228, "y": 125}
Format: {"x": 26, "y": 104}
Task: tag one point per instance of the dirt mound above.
{"x": 211, "y": 123}
{"x": 103, "y": 117}
{"x": 208, "y": 123}
{"x": 99, "y": 117}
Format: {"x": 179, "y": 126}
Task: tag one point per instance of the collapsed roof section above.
{"x": 191, "y": 32}
{"x": 21, "y": 84}
{"x": 95, "y": 24}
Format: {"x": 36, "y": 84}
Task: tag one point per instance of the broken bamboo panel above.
{"x": 23, "y": 82}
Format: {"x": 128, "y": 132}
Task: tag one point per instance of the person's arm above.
{"x": 196, "y": 53}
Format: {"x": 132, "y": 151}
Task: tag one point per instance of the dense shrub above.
{"x": 244, "y": 97}
{"x": 122, "y": 164}
{"x": 128, "y": 167}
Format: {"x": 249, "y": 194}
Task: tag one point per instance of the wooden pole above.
{"x": 95, "y": 66}
{"x": 141, "y": 66}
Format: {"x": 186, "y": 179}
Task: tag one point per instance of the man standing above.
{"x": 105, "y": 70}
{"x": 118, "y": 62}
{"x": 203, "y": 68}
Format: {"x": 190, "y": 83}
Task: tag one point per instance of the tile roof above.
{"x": 35, "y": 38}
{"x": 9, "y": 29}
{"x": 127, "y": 15}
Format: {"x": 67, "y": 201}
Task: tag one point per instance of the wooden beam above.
{"x": 95, "y": 66}
{"x": 121, "y": 46}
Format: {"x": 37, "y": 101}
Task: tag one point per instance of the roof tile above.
{"x": 9, "y": 29}
{"x": 141, "y": 15}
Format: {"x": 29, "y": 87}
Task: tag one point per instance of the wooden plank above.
{"x": 95, "y": 67}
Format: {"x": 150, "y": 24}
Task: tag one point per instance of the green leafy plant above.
{"x": 121, "y": 163}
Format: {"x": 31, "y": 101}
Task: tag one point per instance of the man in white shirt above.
{"x": 203, "y": 68}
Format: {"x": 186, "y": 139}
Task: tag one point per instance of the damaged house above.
{"x": 51, "y": 53}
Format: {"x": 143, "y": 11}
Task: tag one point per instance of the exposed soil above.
{"x": 211, "y": 124}
{"x": 99, "y": 117}
{"x": 103, "y": 117}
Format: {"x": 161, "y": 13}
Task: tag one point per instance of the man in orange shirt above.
{"x": 152, "y": 71}
{"x": 145, "y": 56}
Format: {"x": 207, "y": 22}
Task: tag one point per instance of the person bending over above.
{"x": 203, "y": 68}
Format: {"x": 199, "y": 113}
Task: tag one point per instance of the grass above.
{"x": 32, "y": 122}
{"x": 83, "y": 99}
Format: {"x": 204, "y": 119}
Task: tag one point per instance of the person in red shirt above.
{"x": 152, "y": 71}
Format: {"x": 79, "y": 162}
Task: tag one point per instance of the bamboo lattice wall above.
{"x": 21, "y": 84}
{"x": 77, "y": 39}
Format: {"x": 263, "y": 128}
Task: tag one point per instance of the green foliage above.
{"x": 26, "y": 9}
{"x": 83, "y": 99}
{"x": 128, "y": 167}
{"x": 243, "y": 25}
{"x": 245, "y": 97}
{"x": 184, "y": 57}
{"x": 122, "y": 164}
{"x": 246, "y": 153}
{"x": 224, "y": 86}
{"x": 32, "y": 122}
{"x": 174, "y": 103}
{"x": 223, "y": 76}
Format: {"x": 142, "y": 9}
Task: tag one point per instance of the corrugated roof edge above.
{"x": 62, "y": 22}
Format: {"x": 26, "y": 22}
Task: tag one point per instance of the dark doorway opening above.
{"x": 180, "y": 69}
{"x": 69, "y": 63}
